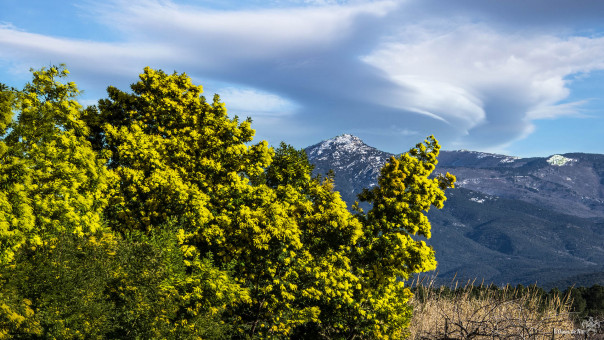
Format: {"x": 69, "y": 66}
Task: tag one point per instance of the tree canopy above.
{"x": 154, "y": 215}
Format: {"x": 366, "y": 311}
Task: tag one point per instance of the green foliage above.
{"x": 152, "y": 216}
{"x": 173, "y": 153}
{"x": 64, "y": 282}
{"x": 289, "y": 167}
{"x": 52, "y": 180}
{"x": 587, "y": 301}
{"x": 101, "y": 288}
{"x": 387, "y": 252}
{"x": 7, "y": 101}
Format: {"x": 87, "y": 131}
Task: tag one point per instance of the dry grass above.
{"x": 488, "y": 314}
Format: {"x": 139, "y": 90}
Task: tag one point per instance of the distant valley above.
{"x": 509, "y": 220}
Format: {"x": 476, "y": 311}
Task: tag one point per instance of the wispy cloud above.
{"x": 488, "y": 85}
{"x": 250, "y": 101}
{"x": 475, "y": 73}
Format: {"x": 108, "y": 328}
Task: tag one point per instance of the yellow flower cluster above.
{"x": 254, "y": 241}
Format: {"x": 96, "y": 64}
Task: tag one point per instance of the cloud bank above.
{"x": 477, "y": 74}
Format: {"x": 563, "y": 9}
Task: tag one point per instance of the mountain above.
{"x": 509, "y": 219}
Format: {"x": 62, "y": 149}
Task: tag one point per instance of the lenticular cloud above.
{"x": 378, "y": 68}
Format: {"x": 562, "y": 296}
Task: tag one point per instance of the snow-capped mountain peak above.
{"x": 351, "y": 159}
{"x": 345, "y": 143}
{"x": 346, "y": 139}
{"x": 509, "y": 219}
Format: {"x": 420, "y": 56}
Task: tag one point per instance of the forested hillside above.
{"x": 509, "y": 220}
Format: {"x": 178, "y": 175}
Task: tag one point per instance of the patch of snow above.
{"x": 468, "y": 181}
{"x": 559, "y": 160}
{"x": 477, "y": 200}
{"x": 509, "y": 159}
{"x": 481, "y": 155}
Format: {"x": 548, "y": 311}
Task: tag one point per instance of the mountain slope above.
{"x": 509, "y": 220}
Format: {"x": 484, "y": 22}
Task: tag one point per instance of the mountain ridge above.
{"x": 510, "y": 219}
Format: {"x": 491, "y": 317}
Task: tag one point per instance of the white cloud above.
{"x": 253, "y": 102}
{"x": 552, "y": 111}
{"x": 212, "y": 35}
{"x": 99, "y": 62}
{"x": 322, "y": 68}
{"x": 477, "y": 78}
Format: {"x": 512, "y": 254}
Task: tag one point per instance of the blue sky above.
{"x": 524, "y": 78}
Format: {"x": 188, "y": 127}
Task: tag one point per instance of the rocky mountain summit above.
{"x": 509, "y": 220}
